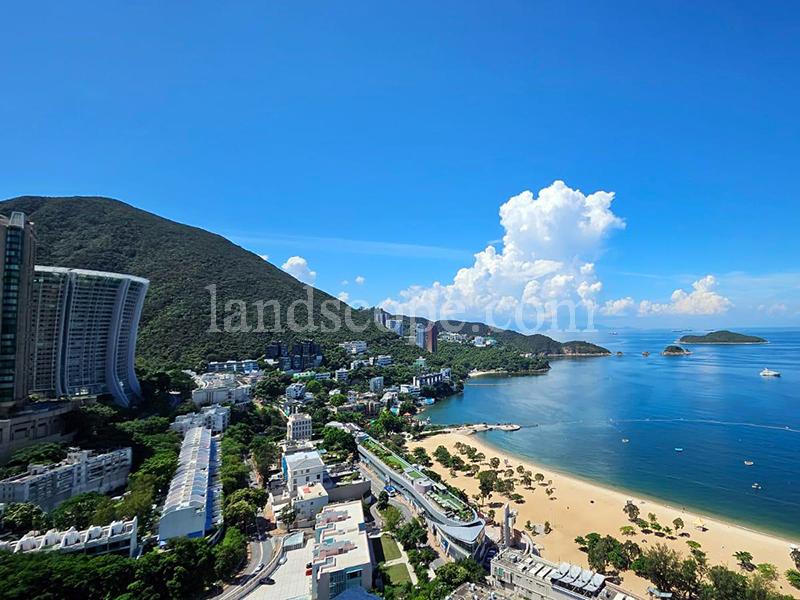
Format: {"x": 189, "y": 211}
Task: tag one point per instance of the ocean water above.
{"x": 713, "y": 404}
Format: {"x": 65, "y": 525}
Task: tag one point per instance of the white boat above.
{"x": 770, "y": 373}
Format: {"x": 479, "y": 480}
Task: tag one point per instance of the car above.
{"x": 260, "y": 566}
{"x": 308, "y": 565}
{"x": 282, "y": 561}
{"x": 266, "y": 581}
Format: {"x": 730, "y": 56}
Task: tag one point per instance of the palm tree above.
{"x": 627, "y": 530}
{"x": 520, "y": 469}
{"x": 526, "y": 480}
{"x": 745, "y": 559}
{"x": 632, "y": 511}
{"x": 678, "y": 524}
{"x": 795, "y": 556}
{"x": 539, "y": 478}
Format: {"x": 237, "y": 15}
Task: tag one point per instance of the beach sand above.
{"x": 578, "y": 507}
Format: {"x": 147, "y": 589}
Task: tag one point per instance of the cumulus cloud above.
{"x": 297, "y": 267}
{"x": 619, "y": 307}
{"x": 549, "y": 246}
{"x": 773, "y": 310}
{"x": 360, "y": 280}
{"x": 343, "y": 296}
{"x": 702, "y": 300}
{"x": 264, "y": 256}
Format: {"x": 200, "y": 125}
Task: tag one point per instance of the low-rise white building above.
{"x": 215, "y": 417}
{"x": 302, "y": 468}
{"x": 296, "y": 391}
{"x": 341, "y": 375}
{"x": 354, "y": 347}
{"x": 119, "y": 538}
{"x": 409, "y": 389}
{"x": 382, "y": 360}
{"x": 194, "y": 501}
{"x": 342, "y": 555}
{"x": 310, "y": 499}
{"x": 299, "y": 427}
{"x": 220, "y": 388}
{"x": 82, "y": 471}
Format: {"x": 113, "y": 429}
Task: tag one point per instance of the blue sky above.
{"x": 380, "y": 140}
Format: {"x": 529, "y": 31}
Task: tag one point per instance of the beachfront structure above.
{"x": 82, "y": 471}
{"x": 342, "y": 556}
{"x": 532, "y": 577}
{"x": 219, "y": 388}
{"x": 117, "y": 538}
{"x": 194, "y": 501}
{"x": 214, "y": 417}
{"x": 302, "y": 468}
{"x": 83, "y": 333}
{"x": 235, "y": 366}
{"x": 18, "y": 244}
{"x": 299, "y": 427}
{"x": 455, "y": 524}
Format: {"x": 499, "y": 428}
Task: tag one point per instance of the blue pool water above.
{"x": 713, "y": 404}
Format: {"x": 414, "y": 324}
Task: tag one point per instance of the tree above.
{"x": 632, "y": 511}
{"x": 768, "y": 571}
{"x": 230, "y": 553}
{"x": 412, "y": 534}
{"x": 288, "y": 515}
{"x": 521, "y": 470}
{"x": 335, "y": 439}
{"x": 745, "y": 559}
{"x": 539, "y": 477}
{"x": 264, "y": 454}
{"x": 494, "y": 462}
{"x": 241, "y": 515}
{"x": 795, "y": 556}
{"x": 627, "y": 530}
{"x": 383, "y": 500}
{"x": 83, "y": 510}
{"x": 22, "y": 517}
{"x": 678, "y": 523}
{"x": 527, "y": 481}
{"x": 793, "y": 577}
{"x": 421, "y": 457}
{"x": 162, "y": 467}
{"x": 486, "y": 483}
{"x": 391, "y": 518}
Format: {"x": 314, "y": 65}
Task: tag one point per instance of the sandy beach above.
{"x": 578, "y": 507}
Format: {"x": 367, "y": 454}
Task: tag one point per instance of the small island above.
{"x": 722, "y": 337}
{"x": 675, "y": 351}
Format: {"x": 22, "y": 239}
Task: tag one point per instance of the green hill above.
{"x": 180, "y": 261}
{"x": 722, "y": 337}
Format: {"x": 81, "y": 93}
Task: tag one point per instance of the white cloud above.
{"x": 702, "y": 300}
{"x": 619, "y": 307}
{"x": 360, "y": 280}
{"x": 548, "y": 251}
{"x": 344, "y": 282}
{"x": 773, "y": 310}
{"x": 297, "y": 267}
{"x": 343, "y": 296}
{"x": 264, "y": 256}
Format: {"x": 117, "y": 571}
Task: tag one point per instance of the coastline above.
{"x": 579, "y": 506}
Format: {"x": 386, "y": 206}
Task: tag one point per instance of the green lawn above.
{"x": 397, "y": 574}
{"x": 390, "y": 548}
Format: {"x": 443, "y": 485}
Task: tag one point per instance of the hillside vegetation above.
{"x": 181, "y": 261}
{"x": 722, "y": 337}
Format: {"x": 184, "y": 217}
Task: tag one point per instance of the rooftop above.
{"x": 303, "y": 460}
{"x": 342, "y": 538}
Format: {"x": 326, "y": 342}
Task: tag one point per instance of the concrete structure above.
{"x": 18, "y": 245}
{"x": 455, "y": 524}
{"x": 83, "y": 333}
{"x": 380, "y": 316}
{"x": 396, "y": 325}
{"x": 532, "y": 577}
{"x": 220, "y": 388}
{"x": 376, "y": 385}
{"x": 428, "y": 379}
{"x": 341, "y": 375}
{"x": 299, "y": 427}
{"x": 342, "y": 556}
{"x": 233, "y": 366}
{"x": 427, "y": 336}
{"x": 354, "y": 347}
{"x": 194, "y": 501}
{"x": 301, "y": 468}
{"x": 310, "y": 499}
{"x": 117, "y": 538}
{"x": 410, "y": 389}
{"x": 296, "y": 391}
{"x": 82, "y": 471}
{"x": 214, "y": 417}
{"x": 382, "y": 360}
{"x": 34, "y": 423}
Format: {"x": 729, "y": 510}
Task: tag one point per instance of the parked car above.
{"x": 266, "y": 581}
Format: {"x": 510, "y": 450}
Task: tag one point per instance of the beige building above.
{"x": 298, "y": 427}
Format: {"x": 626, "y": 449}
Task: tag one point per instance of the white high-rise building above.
{"x": 299, "y": 427}
{"x": 83, "y": 333}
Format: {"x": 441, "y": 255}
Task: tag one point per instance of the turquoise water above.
{"x": 713, "y": 404}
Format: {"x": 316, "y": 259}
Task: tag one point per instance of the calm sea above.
{"x": 713, "y": 404}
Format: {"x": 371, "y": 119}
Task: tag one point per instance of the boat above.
{"x": 756, "y": 486}
{"x": 770, "y": 373}
{"x": 748, "y": 463}
{"x": 625, "y": 440}
{"x": 645, "y": 353}
{"x": 678, "y": 449}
